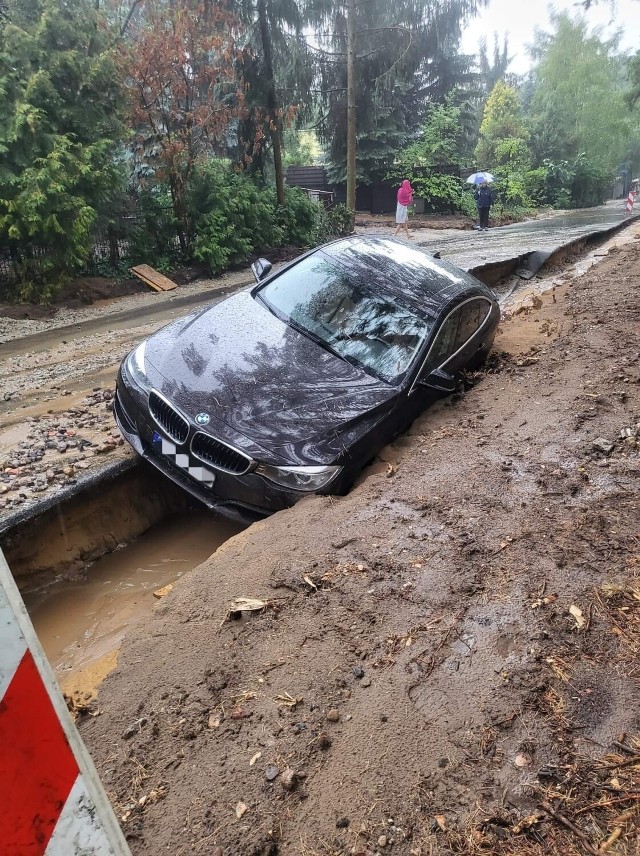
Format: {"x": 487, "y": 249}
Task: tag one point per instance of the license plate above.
{"x": 193, "y": 468}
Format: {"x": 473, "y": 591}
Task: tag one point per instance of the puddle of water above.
{"x": 80, "y": 624}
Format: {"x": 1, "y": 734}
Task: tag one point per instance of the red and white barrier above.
{"x": 630, "y": 200}
{"x": 51, "y": 799}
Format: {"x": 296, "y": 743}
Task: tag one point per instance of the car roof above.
{"x": 411, "y": 273}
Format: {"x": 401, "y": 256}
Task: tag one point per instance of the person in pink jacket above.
{"x": 405, "y": 198}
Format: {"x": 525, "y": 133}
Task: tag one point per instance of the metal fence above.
{"x": 115, "y": 242}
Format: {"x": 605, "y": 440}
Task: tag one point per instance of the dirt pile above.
{"x": 445, "y": 660}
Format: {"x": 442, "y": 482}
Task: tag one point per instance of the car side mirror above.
{"x": 440, "y": 380}
{"x": 261, "y": 268}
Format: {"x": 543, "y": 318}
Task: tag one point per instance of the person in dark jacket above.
{"x": 484, "y": 200}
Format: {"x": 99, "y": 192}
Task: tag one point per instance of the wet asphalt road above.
{"x": 476, "y": 249}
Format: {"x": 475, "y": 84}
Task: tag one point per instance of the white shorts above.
{"x": 401, "y": 214}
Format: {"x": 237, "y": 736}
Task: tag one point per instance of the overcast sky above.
{"x": 518, "y": 18}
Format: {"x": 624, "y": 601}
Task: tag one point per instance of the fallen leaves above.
{"x": 287, "y": 700}
{"x": 164, "y": 591}
{"x": 577, "y": 614}
{"x": 544, "y": 601}
{"x": 244, "y": 604}
{"x": 526, "y": 823}
{"x": 215, "y": 720}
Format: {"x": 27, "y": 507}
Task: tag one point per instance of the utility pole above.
{"x": 272, "y": 101}
{"x": 351, "y": 105}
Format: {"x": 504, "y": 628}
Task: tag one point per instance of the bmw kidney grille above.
{"x": 173, "y": 423}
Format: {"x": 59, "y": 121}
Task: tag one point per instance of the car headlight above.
{"x": 136, "y": 368}
{"x": 299, "y": 478}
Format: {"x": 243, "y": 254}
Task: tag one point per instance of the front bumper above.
{"x": 245, "y": 498}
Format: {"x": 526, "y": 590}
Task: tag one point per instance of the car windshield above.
{"x": 367, "y": 328}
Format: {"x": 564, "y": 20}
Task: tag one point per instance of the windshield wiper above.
{"x": 317, "y": 339}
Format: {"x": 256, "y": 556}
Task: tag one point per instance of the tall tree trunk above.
{"x": 277, "y": 160}
{"x": 351, "y": 104}
{"x": 272, "y": 101}
{"x": 178, "y": 211}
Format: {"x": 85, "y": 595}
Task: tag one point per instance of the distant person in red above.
{"x": 405, "y": 198}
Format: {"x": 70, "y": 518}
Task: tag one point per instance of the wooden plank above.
{"x": 153, "y": 278}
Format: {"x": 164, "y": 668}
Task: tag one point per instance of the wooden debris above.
{"x": 588, "y": 846}
{"x": 153, "y": 278}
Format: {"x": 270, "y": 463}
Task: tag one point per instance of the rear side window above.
{"x": 470, "y": 318}
{"x": 456, "y": 330}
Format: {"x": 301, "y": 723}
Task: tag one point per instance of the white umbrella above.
{"x": 480, "y": 177}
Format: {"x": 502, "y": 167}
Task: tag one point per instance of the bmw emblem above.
{"x": 202, "y": 418}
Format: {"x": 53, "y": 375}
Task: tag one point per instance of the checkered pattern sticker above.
{"x": 180, "y": 459}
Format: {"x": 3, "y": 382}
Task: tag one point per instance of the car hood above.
{"x": 244, "y": 367}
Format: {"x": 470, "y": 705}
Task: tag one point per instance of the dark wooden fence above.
{"x": 377, "y": 198}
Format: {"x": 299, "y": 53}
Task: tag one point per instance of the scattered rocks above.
{"x": 53, "y": 451}
{"x": 333, "y": 715}
{"x": 289, "y": 779}
{"x": 135, "y": 728}
{"x": 601, "y": 444}
{"x": 271, "y": 772}
{"x": 358, "y": 672}
{"x": 323, "y": 740}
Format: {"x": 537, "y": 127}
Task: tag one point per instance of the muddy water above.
{"x": 81, "y": 624}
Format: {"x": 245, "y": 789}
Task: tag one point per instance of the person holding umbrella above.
{"x": 483, "y": 196}
{"x": 405, "y": 198}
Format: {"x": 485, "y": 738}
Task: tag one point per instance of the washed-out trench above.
{"x": 93, "y": 567}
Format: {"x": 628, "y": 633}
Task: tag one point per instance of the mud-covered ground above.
{"x": 446, "y": 660}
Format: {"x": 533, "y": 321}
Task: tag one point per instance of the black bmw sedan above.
{"x": 292, "y": 386}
